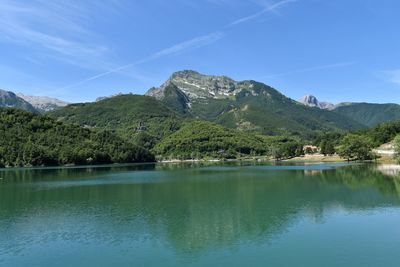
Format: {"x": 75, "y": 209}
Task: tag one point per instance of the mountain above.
{"x": 43, "y": 103}
{"x": 198, "y": 86}
{"x": 369, "y": 114}
{"x": 245, "y": 105}
{"x": 172, "y": 96}
{"x": 29, "y": 103}
{"x": 312, "y": 101}
{"x": 141, "y": 119}
{"x": 9, "y": 99}
{"x": 31, "y": 139}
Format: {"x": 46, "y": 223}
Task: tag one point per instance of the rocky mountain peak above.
{"x": 309, "y": 100}
{"x": 196, "y": 85}
{"x": 312, "y": 101}
{"x": 186, "y": 74}
{"x": 199, "y": 86}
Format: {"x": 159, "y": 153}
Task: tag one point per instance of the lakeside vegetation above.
{"x": 359, "y": 145}
{"x": 29, "y": 139}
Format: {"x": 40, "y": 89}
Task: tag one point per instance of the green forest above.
{"x": 29, "y": 139}
{"x": 202, "y": 139}
{"x": 132, "y": 128}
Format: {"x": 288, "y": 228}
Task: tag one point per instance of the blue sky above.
{"x": 342, "y": 50}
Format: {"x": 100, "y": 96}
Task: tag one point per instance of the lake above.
{"x": 236, "y": 214}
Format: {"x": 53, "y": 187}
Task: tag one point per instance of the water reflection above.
{"x": 187, "y": 209}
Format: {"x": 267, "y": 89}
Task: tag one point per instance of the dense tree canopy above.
{"x": 29, "y": 139}
{"x": 141, "y": 119}
{"x": 356, "y": 147}
{"x": 327, "y": 147}
{"x": 383, "y": 133}
{"x": 199, "y": 139}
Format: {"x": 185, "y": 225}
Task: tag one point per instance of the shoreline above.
{"x": 317, "y": 157}
{"x": 306, "y": 158}
{"x": 336, "y": 158}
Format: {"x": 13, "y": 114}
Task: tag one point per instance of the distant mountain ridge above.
{"x": 369, "y": 114}
{"x": 29, "y": 103}
{"x": 43, "y": 103}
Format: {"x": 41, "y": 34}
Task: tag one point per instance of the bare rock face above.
{"x": 327, "y": 105}
{"x": 43, "y": 103}
{"x": 312, "y": 101}
{"x": 198, "y": 86}
{"x": 309, "y": 100}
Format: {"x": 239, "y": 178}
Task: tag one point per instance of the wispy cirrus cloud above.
{"x": 192, "y": 44}
{"x": 311, "y": 69}
{"x": 176, "y": 49}
{"x": 269, "y": 8}
{"x": 53, "y": 28}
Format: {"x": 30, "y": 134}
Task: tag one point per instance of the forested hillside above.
{"x": 202, "y": 139}
{"x": 29, "y": 139}
{"x": 141, "y": 119}
{"x": 370, "y": 114}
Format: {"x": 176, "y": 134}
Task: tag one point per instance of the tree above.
{"x": 327, "y": 147}
{"x": 397, "y": 146}
{"x": 356, "y": 147}
{"x": 276, "y": 152}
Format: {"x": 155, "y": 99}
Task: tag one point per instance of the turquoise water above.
{"x": 200, "y": 215}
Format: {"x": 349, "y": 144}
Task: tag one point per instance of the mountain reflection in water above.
{"x": 189, "y": 209}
